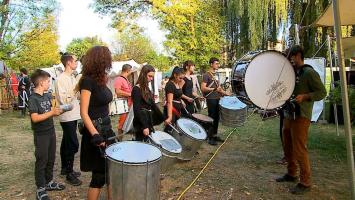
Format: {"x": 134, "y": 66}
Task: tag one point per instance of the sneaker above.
{"x": 300, "y": 189}
{"x": 212, "y": 141}
{"x": 63, "y": 172}
{"x": 54, "y": 186}
{"x": 286, "y": 178}
{"x": 41, "y": 194}
{"x": 73, "y": 180}
{"x": 218, "y": 139}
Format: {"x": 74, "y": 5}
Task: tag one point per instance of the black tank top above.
{"x": 188, "y": 87}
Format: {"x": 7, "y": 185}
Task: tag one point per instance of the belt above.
{"x": 101, "y": 120}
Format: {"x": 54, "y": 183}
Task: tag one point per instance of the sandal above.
{"x": 41, "y": 194}
{"x": 54, "y": 186}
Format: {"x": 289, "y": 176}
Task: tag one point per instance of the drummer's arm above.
{"x": 206, "y": 89}
{"x": 169, "y": 105}
{"x": 187, "y": 98}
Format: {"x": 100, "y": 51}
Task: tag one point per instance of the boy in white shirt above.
{"x": 67, "y": 98}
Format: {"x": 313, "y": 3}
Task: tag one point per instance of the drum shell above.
{"x": 205, "y": 124}
{"x": 189, "y": 145}
{"x": 168, "y": 161}
{"x": 233, "y": 117}
{"x": 134, "y": 181}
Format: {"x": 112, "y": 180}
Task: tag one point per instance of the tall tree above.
{"x": 18, "y": 17}
{"x": 39, "y": 51}
{"x": 195, "y": 27}
{"x": 79, "y": 46}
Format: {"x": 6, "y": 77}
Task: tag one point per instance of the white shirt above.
{"x": 65, "y": 94}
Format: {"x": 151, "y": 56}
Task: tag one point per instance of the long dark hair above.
{"x": 143, "y": 81}
{"x": 187, "y": 64}
{"x": 176, "y": 72}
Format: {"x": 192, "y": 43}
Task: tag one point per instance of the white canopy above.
{"x": 117, "y": 67}
{"x": 347, "y": 16}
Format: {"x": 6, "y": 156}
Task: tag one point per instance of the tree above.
{"x": 18, "y": 17}
{"x": 79, "y": 46}
{"x": 39, "y": 51}
{"x": 195, "y": 27}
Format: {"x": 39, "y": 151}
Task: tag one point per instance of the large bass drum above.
{"x": 265, "y": 79}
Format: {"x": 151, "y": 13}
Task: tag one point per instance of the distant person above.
{"x": 213, "y": 91}
{"x": 308, "y": 89}
{"x": 23, "y": 91}
{"x": 123, "y": 89}
{"x": 97, "y": 132}
{"x": 41, "y": 112}
{"x": 163, "y": 83}
{"x": 66, "y": 96}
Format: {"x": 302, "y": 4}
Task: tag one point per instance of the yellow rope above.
{"x": 203, "y": 169}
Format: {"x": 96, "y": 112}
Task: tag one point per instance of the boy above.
{"x": 41, "y": 113}
{"x": 65, "y": 86}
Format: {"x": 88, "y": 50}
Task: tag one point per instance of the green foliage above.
{"x": 79, "y": 46}
{"x": 195, "y": 27}
{"x": 139, "y": 48}
{"x": 17, "y": 19}
{"x": 39, "y": 47}
{"x": 335, "y": 96}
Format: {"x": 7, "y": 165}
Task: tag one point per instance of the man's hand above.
{"x": 301, "y": 98}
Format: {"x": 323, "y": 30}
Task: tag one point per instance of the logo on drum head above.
{"x": 277, "y": 90}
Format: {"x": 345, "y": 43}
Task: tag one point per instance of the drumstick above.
{"x": 173, "y": 128}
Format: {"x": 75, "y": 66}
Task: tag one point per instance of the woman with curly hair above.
{"x": 95, "y": 97}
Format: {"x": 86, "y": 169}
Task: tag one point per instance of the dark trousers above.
{"x": 45, "y": 146}
{"x": 69, "y": 146}
{"x": 213, "y": 112}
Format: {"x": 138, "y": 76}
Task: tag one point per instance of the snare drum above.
{"x": 119, "y": 106}
{"x": 233, "y": 112}
{"x": 265, "y": 79}
{"x": 190, "y": 135}
{"x": 205, "y": 121}
{"x": 169, "y": 147}
{"x": 134, "y": 166}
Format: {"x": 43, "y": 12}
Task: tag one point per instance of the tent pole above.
{"x": 332, "y": 83}
{"x": 297, "y": 35}
{"x": 344, "y": 91}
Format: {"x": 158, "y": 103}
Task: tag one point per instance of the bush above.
{"x": 336, "y": 97}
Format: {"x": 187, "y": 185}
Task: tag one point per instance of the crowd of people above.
{"x": 87, "y": 97}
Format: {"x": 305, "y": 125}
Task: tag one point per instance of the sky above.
{"x": 77, "y": 20}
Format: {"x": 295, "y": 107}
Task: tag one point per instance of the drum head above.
{"x": 202, "y": 117}
{"x": 232, "y": 103}
{"x": 191, "y": 128}
{"x": 166, "y": 141}
{"x": 269, "y": 80}
{"x": 133, "y": 152}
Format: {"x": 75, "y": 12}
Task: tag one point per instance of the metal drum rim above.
{"x": 134, "y": 163}
{"x": 182, "y": 132}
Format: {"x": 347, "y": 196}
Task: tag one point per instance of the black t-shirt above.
{"x": 100, "y": 97}
{"x": 41, "y": 104}
{"x": 24, "y": 81}
{"x": 211, "y": 82}
{"x": 171, "y": 88}
{"x": 187, "y": 89}
{"x": 140, "y": 103}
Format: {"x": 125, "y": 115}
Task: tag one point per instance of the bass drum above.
{"x": 265, "y": 79}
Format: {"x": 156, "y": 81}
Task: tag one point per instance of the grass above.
{"x": 243, "y": 169}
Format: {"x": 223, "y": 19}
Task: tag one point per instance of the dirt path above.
{"x": 245, "y": 168}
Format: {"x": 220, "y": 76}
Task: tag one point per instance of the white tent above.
{"x": 347, "y": 16}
